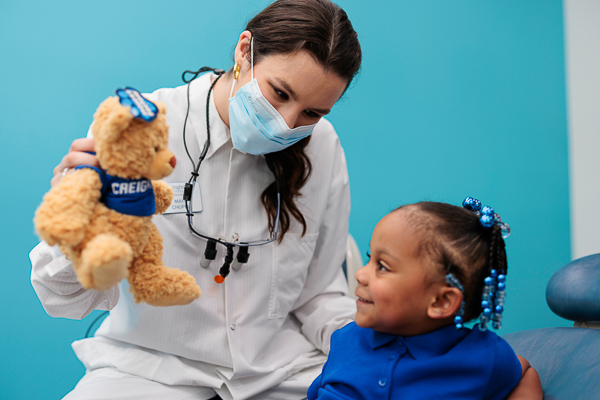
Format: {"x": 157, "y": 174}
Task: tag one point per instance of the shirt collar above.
{"x": 378, "y": 339}
{"x": 427, "y": 345}
{"x": 219, "y": 132}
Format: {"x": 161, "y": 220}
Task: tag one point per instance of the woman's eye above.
{"x": 311, "y": 114}
{"x": 282, "y": 95}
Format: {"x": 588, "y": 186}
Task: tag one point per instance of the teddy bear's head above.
{"x": 132, "y": 148}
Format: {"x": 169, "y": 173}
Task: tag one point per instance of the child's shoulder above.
{"x": 491, "y": 340}
{"x": 350, "y": 332}
{"x": 353, "y": 337}
{"x": 349, "y": 329}
{"x": 505, "y": 368}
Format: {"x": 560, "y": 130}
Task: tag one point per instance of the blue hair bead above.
{"x": 487, "y": 210}
{"x": 494, "y": 291}
{"x": 471, "y": 204}
{"x": 453, "y": 282}
{"x": 487, "y": 221}
{"x": 482, "y": 325}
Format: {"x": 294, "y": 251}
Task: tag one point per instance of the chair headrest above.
{"x": 573, "y": 292}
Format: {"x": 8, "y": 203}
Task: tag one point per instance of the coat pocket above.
{"x": 291, "y": 259}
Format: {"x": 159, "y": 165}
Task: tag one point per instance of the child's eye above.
{"x": 380, "y": 267}
{"x": 368, "y": 255}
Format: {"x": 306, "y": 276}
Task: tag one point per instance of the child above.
{"x": 432, "y": 267}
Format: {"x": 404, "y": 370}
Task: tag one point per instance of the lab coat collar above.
{"x": 219, "y": 132}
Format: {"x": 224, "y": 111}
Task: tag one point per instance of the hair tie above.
{"x": 487, "y": 216}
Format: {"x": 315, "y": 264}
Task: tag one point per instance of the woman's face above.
{"x": 295, "y": 84}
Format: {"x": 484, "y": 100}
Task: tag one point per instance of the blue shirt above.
{"x": 443, "y": 364}
{"x": 126, "y": 196}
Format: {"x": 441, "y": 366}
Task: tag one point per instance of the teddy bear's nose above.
{"x": 173, "y": 162}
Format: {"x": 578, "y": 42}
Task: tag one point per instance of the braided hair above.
{"x": 457, "y": 243}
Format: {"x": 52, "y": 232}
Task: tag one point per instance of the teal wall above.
{"x": 455, "y": 98}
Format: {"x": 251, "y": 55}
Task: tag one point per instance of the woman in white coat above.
{"x": 264, "y": 332}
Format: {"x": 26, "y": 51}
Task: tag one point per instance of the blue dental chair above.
{"x": 568, "y": 359}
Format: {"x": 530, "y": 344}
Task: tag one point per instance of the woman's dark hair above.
{"x": 323, "y": 30}
{"x": 458, "y": 243}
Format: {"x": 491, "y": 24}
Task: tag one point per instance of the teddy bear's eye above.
{"x": 156, "y": 149}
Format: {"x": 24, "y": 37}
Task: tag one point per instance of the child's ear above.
{"x": 445, "y": 304}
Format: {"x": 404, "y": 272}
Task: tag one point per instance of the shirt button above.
{"x": 382, "y": 382}
{"x": 391, "y": 356}
{"x": 232, "y": 326}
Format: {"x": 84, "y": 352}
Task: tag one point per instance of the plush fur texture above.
{"x": 106, "y": 246}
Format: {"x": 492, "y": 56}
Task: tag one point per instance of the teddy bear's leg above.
{"x": 105, "y": 262}
{"x": 153, "y": 283}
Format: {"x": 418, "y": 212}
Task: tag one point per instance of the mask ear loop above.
{"x": 233, "y": 80}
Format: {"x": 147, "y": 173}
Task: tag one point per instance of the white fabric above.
{"x": 269, "y": 320}
{"x": 110, "y": 384}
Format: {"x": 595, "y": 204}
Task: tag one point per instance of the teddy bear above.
{"x": 102, "y": 217}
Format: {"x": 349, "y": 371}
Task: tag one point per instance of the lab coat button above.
{"x": 232, "y": 326}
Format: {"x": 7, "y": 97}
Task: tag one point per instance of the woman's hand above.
{"x": 76, "y": 156}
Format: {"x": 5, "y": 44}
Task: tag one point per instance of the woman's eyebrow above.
{"x": 288, "y": 89}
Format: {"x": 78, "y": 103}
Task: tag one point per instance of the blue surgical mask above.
{"x": 256, "y": 126}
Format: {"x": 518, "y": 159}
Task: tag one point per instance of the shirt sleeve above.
{"x": 313, "y": 389}
{"x": 58, "y": 289}
{"x": 506, "y": 373}
{"x": 324, "y": 305}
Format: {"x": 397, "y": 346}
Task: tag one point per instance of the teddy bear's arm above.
{"x": 163, "y": 194}
{"x": 66, "y": 209}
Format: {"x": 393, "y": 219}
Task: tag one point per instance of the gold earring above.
{"x": 236, "y": 71}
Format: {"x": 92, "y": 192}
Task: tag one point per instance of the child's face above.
{"x": 398, "y": 284}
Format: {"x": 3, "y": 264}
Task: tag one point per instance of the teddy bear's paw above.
{"x": 171, "y": 287}
{"x": 105, "y": 262}
{"x": 163, "y": 194}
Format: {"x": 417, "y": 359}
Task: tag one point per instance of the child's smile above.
{"x": 399, "y": 283}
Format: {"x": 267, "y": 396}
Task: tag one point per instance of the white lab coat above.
{"x": 269, "y": 320}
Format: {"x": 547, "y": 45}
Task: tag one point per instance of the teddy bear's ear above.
{"x": 111, "y": 119}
